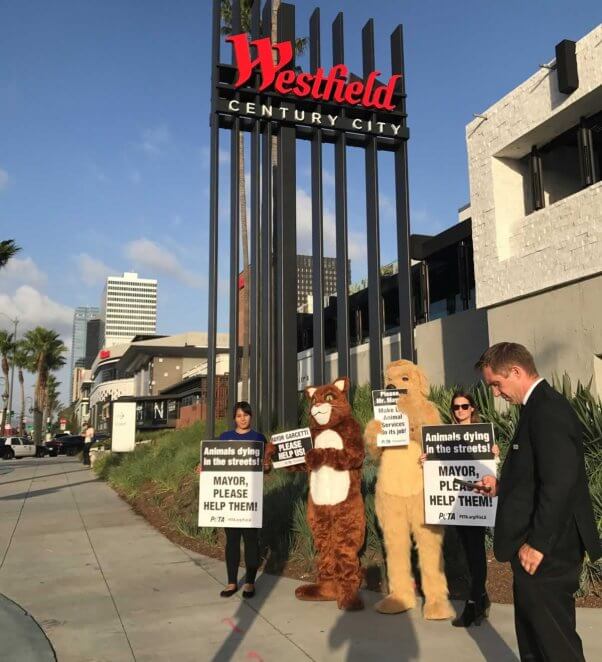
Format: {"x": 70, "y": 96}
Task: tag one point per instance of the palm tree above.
{"x": 8, "y": 248}
{"x": 300, "y": 45}
{"x": 51, "y": 398}
{"x": 22, "y": 362}
{"x": 7, "y": 347}
{"x": 45, "y": 351}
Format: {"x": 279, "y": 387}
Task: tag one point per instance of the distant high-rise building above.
{"x": 81, "y": 316}
{"x": 129, "y": 308}
{"x": 305, "y": 277}
{"x": 92, "y": 342}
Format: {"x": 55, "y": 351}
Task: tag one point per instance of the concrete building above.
{"x": 81, "y": 316}
{"x": 305, "y": 277}
{"x": 140, "y": 371}
{"x": 129, "y": 308}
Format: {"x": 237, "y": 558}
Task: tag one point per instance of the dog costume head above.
{"x": 328, "y": 405}
{"x": 407, "y": 377}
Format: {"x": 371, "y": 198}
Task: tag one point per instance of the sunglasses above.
{"x": 464, "y": 407}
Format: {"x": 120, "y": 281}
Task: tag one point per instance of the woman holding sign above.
{"x": 243, "y": 415}
{"x": 464, "y": 411}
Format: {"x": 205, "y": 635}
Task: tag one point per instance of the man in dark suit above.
{"x": 545, "y": 520}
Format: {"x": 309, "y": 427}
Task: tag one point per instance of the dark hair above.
{"x": 245, "y": 406}
{"x": 474, "y": 417}
{"x": 503, "y": 355}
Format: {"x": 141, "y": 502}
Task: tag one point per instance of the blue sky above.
{"x": 104, "y": 135}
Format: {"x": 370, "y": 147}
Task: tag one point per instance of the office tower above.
{"x": 81, "y": 316}
{"x": 129, "y": 308}
{"x": 92, "y": 341}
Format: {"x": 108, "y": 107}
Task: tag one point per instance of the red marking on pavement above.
{"x": 252, "y": 655}
{"x": 232, "y": 624}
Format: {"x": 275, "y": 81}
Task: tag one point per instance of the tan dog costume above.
{"x": 400, "y": 502}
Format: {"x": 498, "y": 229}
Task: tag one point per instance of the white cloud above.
{"x": 91, "y": 270}
{"x": 21, "y": 271}
{"x": 146, "y": 253}
{"x": 33, "y": 308}
{"x": 155, "y": 140}
{"x": 355, "y": 241}
{"x": 223, "y": 156}
{"x": 3, "y": 179}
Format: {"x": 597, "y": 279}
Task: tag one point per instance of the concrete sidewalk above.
{"x": 105, "y": 586}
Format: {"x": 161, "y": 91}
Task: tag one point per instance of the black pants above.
{"x": 544, "y": 611}
{"x": 251, "y": 540}
{"x": 86, "y": 454}
{"x": 473, "y": 542}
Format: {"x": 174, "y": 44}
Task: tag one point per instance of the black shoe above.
{"x": 474, "y": 612}
{"x": 228, "y": 592}
{"x": 248, "y": 594}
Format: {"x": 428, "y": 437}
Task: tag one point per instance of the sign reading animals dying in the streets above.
{"x": 231, "y": 484}
{"x": 290, "y": 447}
{"x": 456, "y": 457}
{"x": 395, "y": 425}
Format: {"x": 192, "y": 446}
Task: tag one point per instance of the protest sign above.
{"x": 457, "y": 455}
{"x": 395, "y": 425}
{"x": 290, "y": 447}
{"x": 231, "y": 484}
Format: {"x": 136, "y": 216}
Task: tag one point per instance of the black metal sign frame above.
{"x": 273, "y": 263}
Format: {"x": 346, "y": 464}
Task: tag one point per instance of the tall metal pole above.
{"x": 234, "y": 236}
{"x": 213, "y": 228}
{"x": 372, "y": 227}
{"x": 340, "y": 187}
{"x": 317, "y": 217}
{"x": 402, "y": 199}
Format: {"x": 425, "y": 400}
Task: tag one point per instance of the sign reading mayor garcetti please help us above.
{"x": 231, "y": 484}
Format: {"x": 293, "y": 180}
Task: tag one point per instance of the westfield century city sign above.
{"x": 327, "y": 87}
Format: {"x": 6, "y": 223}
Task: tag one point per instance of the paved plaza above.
{"x": 80, "y": 567}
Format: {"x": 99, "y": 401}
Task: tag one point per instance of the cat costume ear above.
{"x": 309, "y": 391}
{"x": 342, "y": 384}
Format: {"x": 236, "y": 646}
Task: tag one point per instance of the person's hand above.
{"x": 198, "y": 469}
{"x": 495, "y": 449}
{"x": 487, "y": 485}
{"x": 422, "y": 459}
{"x": 529, "y": 558}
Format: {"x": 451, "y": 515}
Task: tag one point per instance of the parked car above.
{"x": 67, "y": 445}
{"x": 17, "y": 447}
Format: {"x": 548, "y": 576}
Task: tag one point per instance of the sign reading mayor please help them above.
{"x": 458, "y": 452}
{"x": 231, "y": 484}
{"x": 395, "y": 425}
{"x": 290, "y": 447}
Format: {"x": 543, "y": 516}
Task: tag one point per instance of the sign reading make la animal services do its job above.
{"x": 395, "y": 425}
{"x": 290, "y": 447}
{"x": 461, "y": 452}
{"x": 231, "y": 484}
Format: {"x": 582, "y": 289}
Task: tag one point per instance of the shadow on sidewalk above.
{"x": 368, "y": 634}
{"x": 21, "y": 480}
{"x": 491, "y": 644}
{"x": 44, "y": 492}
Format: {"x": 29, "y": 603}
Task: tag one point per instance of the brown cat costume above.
{"x": 335, "y": 507}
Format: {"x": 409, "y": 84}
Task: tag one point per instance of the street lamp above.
{"x": 12, "y": 369}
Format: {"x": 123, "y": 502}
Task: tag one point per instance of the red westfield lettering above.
{"x": 319, "y": 85}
